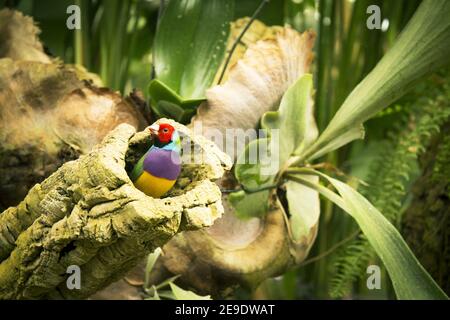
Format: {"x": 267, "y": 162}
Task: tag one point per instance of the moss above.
{"x": 426, "y": 223}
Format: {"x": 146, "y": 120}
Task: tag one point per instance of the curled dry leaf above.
{"x": 47, "y": 117}
{"x": 19, "y": 37}
{"x": 257, "y": 82}
{"x": 234, "y": 252}
{"x": 19, "y": 41}
{"x": 257, "y": 31}
{"x": 87, "y": 114}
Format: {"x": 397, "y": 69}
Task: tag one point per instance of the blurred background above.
{"x": 115, "y": 42}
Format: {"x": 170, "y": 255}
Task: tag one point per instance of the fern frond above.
{"x": 441, "y": 169}
{"x": 349, "y": 266}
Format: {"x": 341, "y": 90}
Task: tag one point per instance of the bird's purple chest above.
{"x": 163, "y": 163}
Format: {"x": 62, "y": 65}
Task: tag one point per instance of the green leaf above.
{"x": 409, "y": 279}
{"x": 253, "y": 170}
{"x": 167, "y": 103}
{"x": 190, "y": 44}
{"x": 152, "y": 293}
{"x": 167, "y": 282}
{"x": 151, "y": 260}
{"x": 294, "y": 118}
{"x": 304, "y": 208}
{"x": 209, "y": 47}
{"x": 167, "y": 294}
{"x": 421, "y": 48}
{"x": 181, "y": 294}
{"x": 354, "y": 133}
{"x": 249, "y": 205}
{"x": 257, "y": 166}
{"x": 291, "y": 128}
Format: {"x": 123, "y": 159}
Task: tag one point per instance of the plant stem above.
{"x": 238, "y": 39}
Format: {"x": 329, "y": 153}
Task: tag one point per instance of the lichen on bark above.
{"x": 89, "y": 214}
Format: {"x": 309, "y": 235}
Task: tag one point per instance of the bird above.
{"x": 158, "y": 169}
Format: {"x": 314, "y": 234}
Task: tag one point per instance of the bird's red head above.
{"x": 163, "y": 132}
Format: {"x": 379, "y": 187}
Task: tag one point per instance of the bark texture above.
{"x": 89, "y": 214}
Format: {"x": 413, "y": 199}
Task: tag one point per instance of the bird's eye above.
{"x": 165, "y": 130}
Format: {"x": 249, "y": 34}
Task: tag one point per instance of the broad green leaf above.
{"x": 297, "y": 130}
{"x": 290, "y": 129}
{"x": 167, "y": 103}
{"x": 167, "y": 282}
{"x": 294, "y": 118}
{"x": 354, "y": 133}
{"x": 173, "y": 38}
{"x": 161, "y": 92}
{"x": 409, "y": 279}
{"x": 156, "y": 296}
{"x": 209, "y": 47}
{"x": 190, "y": 44}
{"x": 253, "y": 170}
{"x": 155, "y": 292}
{"x": 167, "y": 294}
{"x": 304, "y": 208}
{"x": 152, "y": 293}
{"x": 421, "y": 48}
{"x": 248, "y": 205}
{"x": 151, "y": 260}
{"x": 181, "y": 294}
{"x": 258, "y": 165}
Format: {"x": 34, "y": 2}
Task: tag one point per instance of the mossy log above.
{"x": 88, "y": 213}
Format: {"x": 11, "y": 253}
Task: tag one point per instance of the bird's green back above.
{"x": 138, "y": 168}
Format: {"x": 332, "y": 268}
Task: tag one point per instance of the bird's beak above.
{"x": 154, "y": 128}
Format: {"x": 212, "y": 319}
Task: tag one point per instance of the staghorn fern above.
{"x": 392, "y": 172}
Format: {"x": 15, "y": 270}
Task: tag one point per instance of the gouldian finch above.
{"x": 157, "y": 170}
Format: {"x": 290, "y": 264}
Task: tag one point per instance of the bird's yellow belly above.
{"x": 153, "y": 186}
